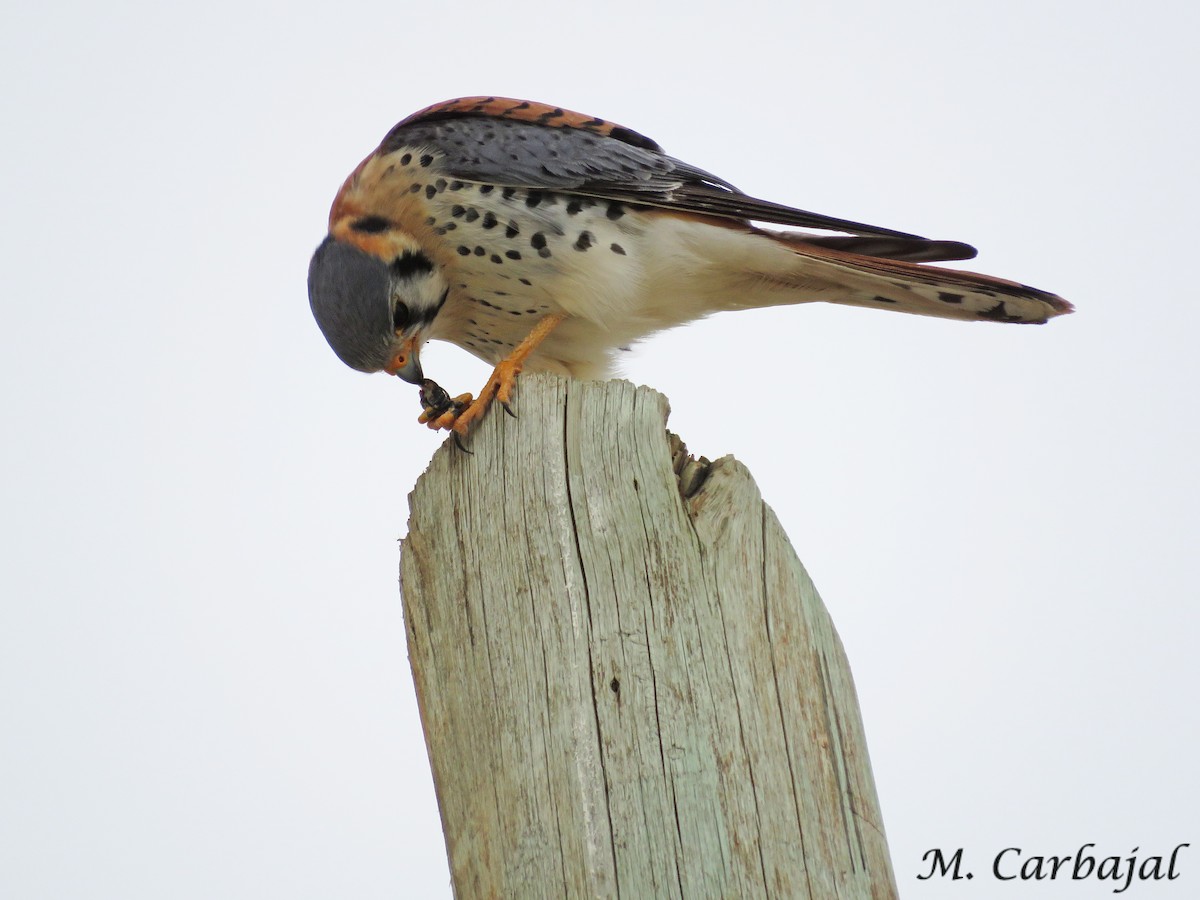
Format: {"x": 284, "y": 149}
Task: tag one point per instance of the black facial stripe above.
{"x": 371, "y": 224}
{"x": 425, "y": 316}
{"x": 409, "y": 264}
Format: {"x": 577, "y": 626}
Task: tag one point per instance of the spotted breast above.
{"x": 535, "y": 237}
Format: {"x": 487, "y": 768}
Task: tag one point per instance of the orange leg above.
{"x": 499, "y": 386}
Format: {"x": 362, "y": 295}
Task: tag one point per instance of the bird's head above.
{"x": 374, "y": 293}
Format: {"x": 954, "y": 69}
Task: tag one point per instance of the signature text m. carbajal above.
{"x": 1014, "y": 864}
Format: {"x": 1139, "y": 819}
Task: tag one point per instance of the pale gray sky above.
{"x": 204, "y": 688}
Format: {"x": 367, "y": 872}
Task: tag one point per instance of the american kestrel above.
{"x": 539, "y": 238}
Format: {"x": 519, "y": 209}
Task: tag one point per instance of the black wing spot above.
{"x": 617, "y": 249}
{"x": 538, "y": 241}
{"x": 629, "y": 136}
{"x": 879, "y": 299}
{"x": 585, "y": 240}
{"x": 947, "y": 297}
{"x": 489, "y": 220}
{"x": 999, "y": 313}
{"x": 615, "y": 211}
{"x": 426, "y": 161}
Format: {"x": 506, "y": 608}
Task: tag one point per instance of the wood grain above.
{"x": 626, "y": 692}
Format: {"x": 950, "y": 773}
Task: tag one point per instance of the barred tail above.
{"x": 893, "y": 282}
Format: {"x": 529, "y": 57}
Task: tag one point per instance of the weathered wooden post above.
{"x": 627, "y": 691}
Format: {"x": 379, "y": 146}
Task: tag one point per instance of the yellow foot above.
{"x": 459, "y": 414}
{"x": 438, "y": 408}
{"x": 498, "y": 388}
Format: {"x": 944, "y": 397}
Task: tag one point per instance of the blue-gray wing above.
{"x": 527, "y": 145}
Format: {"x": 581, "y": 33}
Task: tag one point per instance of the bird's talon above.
{"x": 458, "y": 414}
{"x": 439, "y": 409}
{"x": 445, "y": 420}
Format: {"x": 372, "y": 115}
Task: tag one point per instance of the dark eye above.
{"x": 400, "y": 316}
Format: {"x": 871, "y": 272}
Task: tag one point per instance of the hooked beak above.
{"x": 406, "y": 362}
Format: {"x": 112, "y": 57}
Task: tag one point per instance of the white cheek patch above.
{"x": 421, "y": 295}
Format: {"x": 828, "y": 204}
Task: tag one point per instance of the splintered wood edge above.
{"x": 690, "y": 471}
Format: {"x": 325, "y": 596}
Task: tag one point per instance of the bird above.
{"x": 541, "y": 239}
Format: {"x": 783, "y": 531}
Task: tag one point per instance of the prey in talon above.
{"x": 542, "y": 239}
{"x": 440, "y": 410}
{"x": 436, "y": 401}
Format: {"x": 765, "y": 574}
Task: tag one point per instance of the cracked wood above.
{"x": 626, "y": 691}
